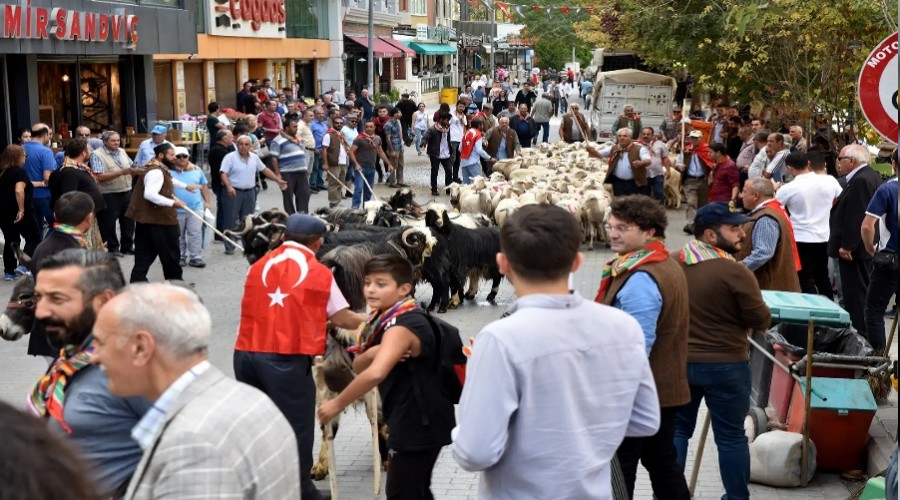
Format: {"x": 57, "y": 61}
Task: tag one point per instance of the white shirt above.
{"x": 457, "y": 127}
{"x": 153, "y": 182}
{"x": 342, "y": 154}
{"x": 622, "y": 169}
{"x": 544, "y": 410}
{"x": 758, "y": 164}
{"x": 808, "y": 199}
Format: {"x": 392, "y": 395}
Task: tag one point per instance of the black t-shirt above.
{"x": 212, "y": 126}
{"x": 70, "y": 179}
{"x": 217, "y": 153}
{"x": 9, "y": 207}
{"x": 419, "y": 416}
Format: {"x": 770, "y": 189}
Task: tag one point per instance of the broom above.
{"x": 881, "y": 382}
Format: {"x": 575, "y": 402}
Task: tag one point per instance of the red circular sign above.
{"x": 878, "y": 88}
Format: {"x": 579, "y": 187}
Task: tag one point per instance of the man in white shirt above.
{"x": 458, "y": 124}
{"x": 238, "y": 174}
{"x": 808, "y": 199}
{"x": 153, "y": 208}
{"x": 628, "y": 162}
{"x": 334, "y": 160}
{"x": 776, "y": 152}
{"x": 536, "y": 416}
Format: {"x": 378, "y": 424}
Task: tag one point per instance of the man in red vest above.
{"x": 288, "y": 299}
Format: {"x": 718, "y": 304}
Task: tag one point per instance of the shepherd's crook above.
{"x": 195, "y": 214}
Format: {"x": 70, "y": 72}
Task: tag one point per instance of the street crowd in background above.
{"x": 769, "y": 206}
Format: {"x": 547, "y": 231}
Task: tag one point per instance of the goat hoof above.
{"x": 470, "y": 297}
{"x": 453, "y": 306}
{"x": 319, "y": 471}
{"x": 442, "y": 310}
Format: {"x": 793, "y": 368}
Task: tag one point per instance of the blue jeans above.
{"x": 417, "y": 138}
{"x": 726, "y": 388}
{"x": 471, "y": 171}
{"x": 360, "y": 190}
{"x": 538, "y": 126}
{"x": 657, "y": 191}
{"x": 315, "y": 177}
{"x": 44, "y": 215}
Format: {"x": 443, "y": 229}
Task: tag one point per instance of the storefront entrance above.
{"x": 75, "y": 92}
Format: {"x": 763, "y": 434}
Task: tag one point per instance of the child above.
{"x": 552, "y": 389}
{"x": 398, "y": 355}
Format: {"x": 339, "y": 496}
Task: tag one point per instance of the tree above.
{"x": 554, "y": 35}
{"x": 796, "y": 57}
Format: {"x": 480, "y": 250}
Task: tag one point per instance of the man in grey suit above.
{"x": 207, "y": 435}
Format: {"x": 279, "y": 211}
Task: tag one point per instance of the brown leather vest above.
{"x": 141, "y": 210}
{"x": 779, "y": 273}
{"x": 668, "y": 357}
{"x": 334, "y": 148}
{"x": 492, "y": 142}
{"x": 634, "y": 154}
{"x": 568, "y": 123}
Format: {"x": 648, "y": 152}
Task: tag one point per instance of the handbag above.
{"x": 886, "y": 260}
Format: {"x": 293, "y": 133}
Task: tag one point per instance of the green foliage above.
{"x": 555, "y": 36}
{"x": 792, "y": 55}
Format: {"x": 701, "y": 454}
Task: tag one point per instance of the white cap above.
{"x": 695, "y": 133}
{"x": 181, "y": 150}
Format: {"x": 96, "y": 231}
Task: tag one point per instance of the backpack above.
{"x": 451, "y": 369}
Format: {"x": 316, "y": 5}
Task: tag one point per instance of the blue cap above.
{"x": 718, "y": 213}
{"x": 304, "y": 224}
{"x": 159, "y": 130}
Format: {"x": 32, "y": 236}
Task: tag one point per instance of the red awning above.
{"x": 406, "y": 50}
{"x": 381, "y": 48}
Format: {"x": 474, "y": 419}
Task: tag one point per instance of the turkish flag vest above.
{"x": 472, "y": 136}
{"x": 284, "y": 306}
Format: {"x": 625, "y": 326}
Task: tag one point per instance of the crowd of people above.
{"x": 145, "y": 415}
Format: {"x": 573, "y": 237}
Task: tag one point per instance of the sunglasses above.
{"x": 181, "y": 156}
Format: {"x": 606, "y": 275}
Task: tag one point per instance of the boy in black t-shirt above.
{"x": 398, "y": 354}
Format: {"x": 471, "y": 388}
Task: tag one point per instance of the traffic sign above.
{"x": 878, "y": 88}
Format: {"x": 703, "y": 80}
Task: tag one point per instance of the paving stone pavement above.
{"x": 220, "y": 285}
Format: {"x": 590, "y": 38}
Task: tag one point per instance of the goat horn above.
{"x": 248, "y": 224}
{"x": 405, "y": 236}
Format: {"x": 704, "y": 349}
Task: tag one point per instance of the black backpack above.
{"x": 451, "y": 369}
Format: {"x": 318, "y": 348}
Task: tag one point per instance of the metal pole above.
{"x": 493, "y": 42}
{"x": 370, "y": 56}
{"x": 804, "y": 450}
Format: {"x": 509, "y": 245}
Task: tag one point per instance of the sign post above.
{"x": 878, "y": 89}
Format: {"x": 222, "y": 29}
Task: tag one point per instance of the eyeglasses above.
{"x": 181, "y": 156}
{"x": 619, "y": 228}
{"x": 843, "y": 158}
{"x": 83, "y": 135}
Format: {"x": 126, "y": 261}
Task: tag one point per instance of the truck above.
{"x": 651, "y": 95}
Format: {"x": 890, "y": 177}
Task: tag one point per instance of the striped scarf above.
{"x": 72, "y": 231}
{"x": 70, "y": 163}
{"x": 697, "y": 251}
{"x": 654, "y": 250}
{"x": 48, "y": 395}
{"x": 380, "y": 320}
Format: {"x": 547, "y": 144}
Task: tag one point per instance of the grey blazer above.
{"x": 221, "y": 439}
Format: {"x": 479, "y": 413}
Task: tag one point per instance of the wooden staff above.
{"x": 328, "y": 439}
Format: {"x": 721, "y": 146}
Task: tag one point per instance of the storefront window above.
{"x": 307, "y": 19}
{"x": 163, "y": 3}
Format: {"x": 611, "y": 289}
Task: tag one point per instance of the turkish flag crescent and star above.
{"x": 284, "y": 306}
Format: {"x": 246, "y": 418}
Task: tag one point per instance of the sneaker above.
{"x": 403, "y": 184}
{"x": 128, "y": 252}
{"x": 9, "y": 277}
{"x": 229, "y": 251}
{"x": 256, "y": 208}
{"x": 434, "y": 192}
{"x": 117, "y": 254}
{"x": 182, "y": 262}
{"x": 197, "y": 263}
{"x": 22, "y": 271}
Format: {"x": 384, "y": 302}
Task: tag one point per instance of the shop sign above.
{"x": 473, "y": 41}
{"x": 434, "y": 33}
{"x": 26, "y": 22}
{"x": 878, "y": 88}
{"x": 247, "y": 18}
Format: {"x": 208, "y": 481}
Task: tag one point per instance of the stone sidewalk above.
{"x": 220, "y": 285}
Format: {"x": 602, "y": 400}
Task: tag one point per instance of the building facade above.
{"x": 70, "y": 63}
{"x": 293, "y": 43}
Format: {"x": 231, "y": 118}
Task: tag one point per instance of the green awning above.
{"x": 431, "y": 49}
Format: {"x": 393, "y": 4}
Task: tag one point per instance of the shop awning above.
{"x": 381, "y": 48}
{"x": 408, "y": 52}
{"x": 432, "y": 49}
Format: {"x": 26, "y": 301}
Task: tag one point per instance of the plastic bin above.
{"x": 801, "y": 308}
{"x": 449, "y": 96}
{"x": 838, "y": 422}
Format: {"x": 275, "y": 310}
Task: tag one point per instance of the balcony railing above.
{"x": 380, "y": 6}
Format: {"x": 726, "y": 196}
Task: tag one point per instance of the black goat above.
{"x": 473, "y": 254}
